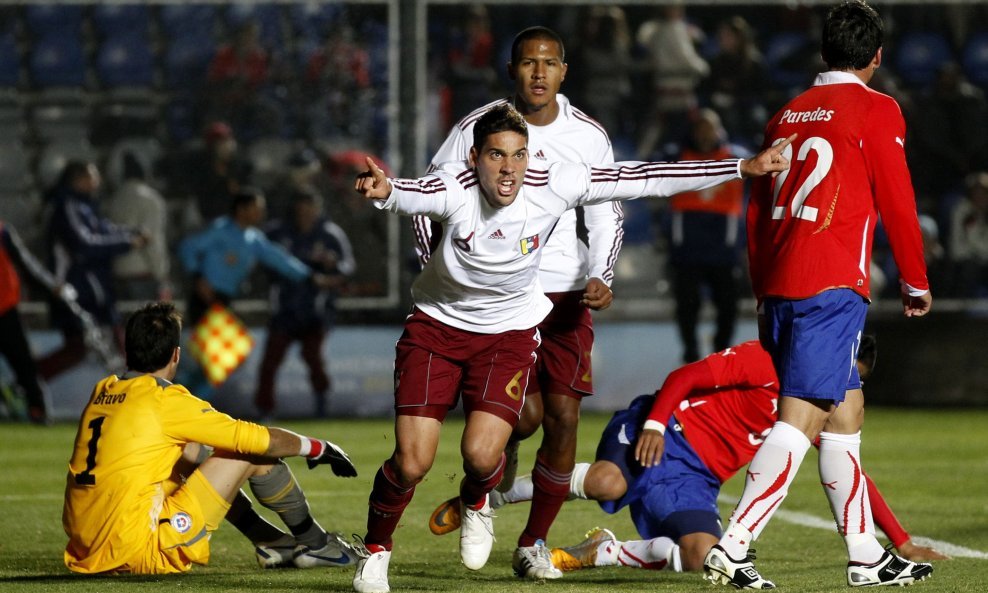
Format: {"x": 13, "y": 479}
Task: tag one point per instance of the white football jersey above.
{"x": 484, "y": 275}
{"x": 572, "y": 138}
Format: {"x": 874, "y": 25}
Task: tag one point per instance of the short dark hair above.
{"x": 852, "y": 34}
{"x": 153, "y": 332}
{"x": 500, "y": 118}
{"x": 530, "y": 33}
{"x": 244, "y": 197}
{"x": 868, "y": 351}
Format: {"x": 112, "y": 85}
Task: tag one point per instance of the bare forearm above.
{"x": 284, "y": 443}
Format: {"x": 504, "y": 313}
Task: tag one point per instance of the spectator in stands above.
{"x": 236, "y": 75}
{"x": 969, "y": 238}
{"x": 82, "y": 247}
{"x": 304, "y": 312}
{"x": 738, "y": 82}
{"x": 13, "y": 340}
{"x": 142, "y": 274}
{"x": 338, "y": 86}
{"x": 606, "y": 63}
{"x": 704, "y": 248}
{"x": 217, "y": 172}
{"x": 676, "y": 69}
{"x": 949, "y": 138}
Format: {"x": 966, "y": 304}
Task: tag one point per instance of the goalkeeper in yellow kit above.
{"x": 129, "y": 507}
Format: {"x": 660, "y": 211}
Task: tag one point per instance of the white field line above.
{"x": 807, "y": 520}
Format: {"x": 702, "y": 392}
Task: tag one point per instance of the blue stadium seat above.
{"x": 779, "y": 51}
{"x": 58, "y": 60}
{"x": 125, "y": 61}
{"x": 975, "y": 59}
{"x": 315, "y": 18}
{"x": 267, "y": 17}
{"x": 113, "y": 20}
{"x": 187, "y": 20}
{"x": 44, "y": 20}
{"x": 186, "y": 61}
{"x": 918, "y": 56}
{"x": 10, "y": 61}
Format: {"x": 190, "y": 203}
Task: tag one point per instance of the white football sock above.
{"x": 767, "y": 481}
{"x": 523, "y": 489}
{"x": 844, "y": 484}
{"x": 576, "y": 490}
{"x": 652, "y": 554}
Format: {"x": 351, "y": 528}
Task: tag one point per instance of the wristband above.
{"x": 311, "y": 448}
{"x": 655, "y": 425}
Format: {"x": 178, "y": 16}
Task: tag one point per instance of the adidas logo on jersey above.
{"x": 541, "y": 156}
{"x": 496, "y": 235}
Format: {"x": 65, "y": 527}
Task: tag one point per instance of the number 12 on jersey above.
{"x": 824, "y": 160}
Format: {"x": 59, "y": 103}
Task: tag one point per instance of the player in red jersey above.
{"x": 810, "y": 236}
{"x": 719, "y": 410}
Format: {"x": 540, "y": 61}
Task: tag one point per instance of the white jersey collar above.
{"x": 836, "y": 77}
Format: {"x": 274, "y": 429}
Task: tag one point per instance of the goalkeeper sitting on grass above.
{"x": 131, "y": 503}
{"x": 666, "y": 457}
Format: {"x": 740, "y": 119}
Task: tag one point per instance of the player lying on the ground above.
{"x": 717, "y": 410}
{"x": 127, "y": 509}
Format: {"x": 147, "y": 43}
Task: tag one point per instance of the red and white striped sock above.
{"x": 767, "y": 481}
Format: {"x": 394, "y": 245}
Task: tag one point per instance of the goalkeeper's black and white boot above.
{"x": 889, "y": 570}
{"x": 335, "y": 552}
{"x": 721, "y": 569}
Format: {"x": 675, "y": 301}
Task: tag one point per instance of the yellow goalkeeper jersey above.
{"x": 130, "y": 436}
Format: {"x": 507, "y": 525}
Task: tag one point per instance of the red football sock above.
{"x": 388, "y": 500}
{"x": 474, "y": 489}
{"x": 551, "y": 490}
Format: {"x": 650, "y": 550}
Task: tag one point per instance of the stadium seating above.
{"x": 186, "y": 61}
{"x": 60, "y": 120}
{"x": 975, "y": 58}
{"x": 114, "y": 20}
{"x": 187, "y": 20}
{"x": 313, "y": 19}
{"x": 10, "y": 61}
{"x": 783, "y": 58}
{"x": 58, "y": 60}
{"x": 918, "y": 56}
{"x": 15, "y": 170}
{"x": 125, "y": 60}
{"x": 267, "y": 17}
{"x": 44, "y": 19}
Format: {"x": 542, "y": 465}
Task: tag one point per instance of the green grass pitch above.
{"x": 931, "y": 465}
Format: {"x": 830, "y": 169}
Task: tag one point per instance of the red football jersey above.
{"x": 810, "y": 228}
{"x": 730, "y": 409}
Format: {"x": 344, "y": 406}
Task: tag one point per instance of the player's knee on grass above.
{"x": 693, "y": 548}
{"x": 604, "y": 481}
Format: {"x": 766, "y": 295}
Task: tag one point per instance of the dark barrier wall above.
{"x": 940, "y": 360}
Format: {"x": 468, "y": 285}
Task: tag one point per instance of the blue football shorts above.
{"x": 672, "y": 499}
{"x": 814, "y": 343}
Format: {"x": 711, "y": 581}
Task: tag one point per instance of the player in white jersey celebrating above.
{"x": 575, "y": 276}
{"x": 472, "y": 332}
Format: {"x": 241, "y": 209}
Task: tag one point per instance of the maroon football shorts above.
{"x": 436, "y": 363}
{"x": 564, "y": 365}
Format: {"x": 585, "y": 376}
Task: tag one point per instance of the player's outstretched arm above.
{"x": 917, "y": 553}
{"x": 285, "y": 443}
{"x": 373, "y": 184}
{"x": 767, "y": 161}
